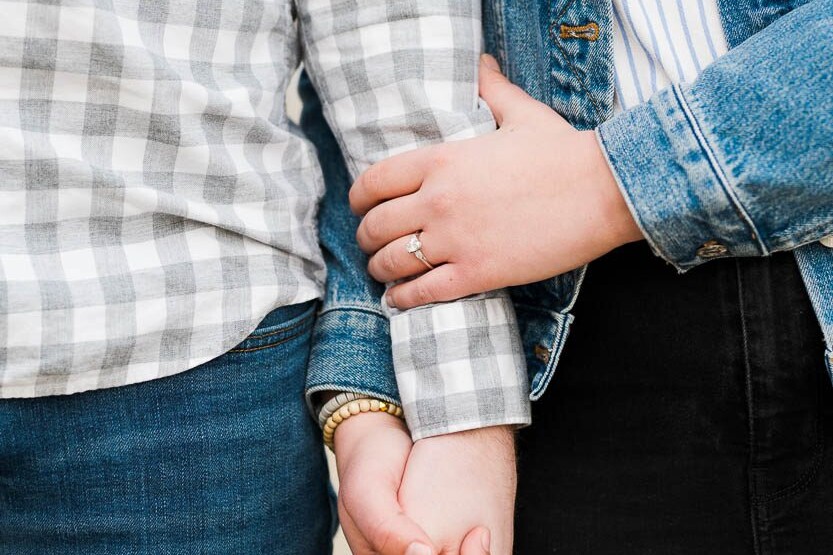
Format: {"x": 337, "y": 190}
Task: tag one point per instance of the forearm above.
{"x": 394, "y": 76}
{"x": 741, "y": 160}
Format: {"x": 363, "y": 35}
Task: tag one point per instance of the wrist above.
{"x": 491, "y": 440}
{"x": 614, "y": 211}
{"x": 355, "y": 429}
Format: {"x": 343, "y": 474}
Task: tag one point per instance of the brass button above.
{"x": 827, "y": 241}
{"x": 588, "y": 31}
{"x": 542, "y": 353}
{"x": 712, "y": 249}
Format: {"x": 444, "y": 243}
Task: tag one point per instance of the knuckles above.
{"x": 373, "y": 180}
{"x": 423, "y": 293}
{"x": 387, "y": 262}
{"x": 441, "y": 203}
{"x": 372, "y": 231}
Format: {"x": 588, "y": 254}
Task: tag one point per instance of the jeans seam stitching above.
{"x": 256, "y": 335}
{"x": 753, "y": 505}
{"x": 297, "y": 333}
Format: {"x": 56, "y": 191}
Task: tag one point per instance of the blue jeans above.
{"x": 223, "y": 458}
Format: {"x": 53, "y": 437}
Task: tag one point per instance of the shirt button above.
{"x": 712, "y": 249}
{"x": 827, "y": 241}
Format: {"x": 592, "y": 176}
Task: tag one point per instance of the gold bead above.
{"x": 383, "y": 406}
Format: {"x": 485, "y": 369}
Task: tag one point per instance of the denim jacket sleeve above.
{"x": 740, "y": 162}
{"x": 351, "y": 340}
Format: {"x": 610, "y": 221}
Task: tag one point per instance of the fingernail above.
{"x": 486, "y": 540}
{"x": 490, "y": 62}
{"x": 390, "y": 301}
{"x": 417, "y": 548}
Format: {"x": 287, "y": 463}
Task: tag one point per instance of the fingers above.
{"x": 395, "y": 177}
{"x": 477, "y": 542}
{"x": 375, "y": 521}
{"x": 398, "y": 534}
{"x": 441, "y": 284}
{"x": 358, "y": 544}
{"x": 504, "y": 99}
{"x": 393, "y": 262}
{"x": 389, "y": 221}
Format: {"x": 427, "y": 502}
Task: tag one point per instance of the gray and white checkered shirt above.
{"x": 155, "y": 205}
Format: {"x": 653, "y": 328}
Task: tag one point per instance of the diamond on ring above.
{"x": 414, "y": 246}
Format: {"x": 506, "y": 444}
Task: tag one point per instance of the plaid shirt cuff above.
{"x": 460, "y": 365}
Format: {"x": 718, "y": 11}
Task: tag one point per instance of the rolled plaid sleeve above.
{"x": 395, "y": 76}
{"x": 460, "y": 366}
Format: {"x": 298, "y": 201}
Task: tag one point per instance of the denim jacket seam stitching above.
{"x": 500, "y": 30}
{"x": 576, "y": 290}
{"x": 369, "y": 391}
{"x": 579, "y": 79}
{"x": 717, "y": 170}
{"x": 559, "y": 341}
{"x": 640, "y": 220}
{"x": 573, "y": 69}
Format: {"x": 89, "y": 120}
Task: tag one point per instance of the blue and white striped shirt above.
{"x": 661, "y": 42}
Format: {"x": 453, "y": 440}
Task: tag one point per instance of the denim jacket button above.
{"x": 827, "y": 241}
{"x": 542, "y": 353}
{"x": 712, "y": 249}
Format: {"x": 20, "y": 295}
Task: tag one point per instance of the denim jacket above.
{"x": 738, "y": 163}
{"x": 772, "y": 191}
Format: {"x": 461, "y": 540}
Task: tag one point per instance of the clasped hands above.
{"x": 531, "y": 200}
{"x": 447, "y": 495}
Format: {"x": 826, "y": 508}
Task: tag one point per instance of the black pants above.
{"x": 690, "y": 414}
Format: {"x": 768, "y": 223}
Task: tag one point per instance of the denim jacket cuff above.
{"x": 673, "y": 184}
{"x": 351, "y": 352}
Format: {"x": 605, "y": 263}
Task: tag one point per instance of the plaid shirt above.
{"x": 156, "y": 205}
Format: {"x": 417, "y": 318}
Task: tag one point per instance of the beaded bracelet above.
{"x": 336, "y": 403}
{"x": 353, "y": 408}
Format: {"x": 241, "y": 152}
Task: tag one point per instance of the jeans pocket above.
{"x": 279, "y": 326}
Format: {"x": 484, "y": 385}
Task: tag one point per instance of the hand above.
{"x": 470, "y": 476}
{"x": 534, "y": 199}
{"x": 457, "y": 484}
{"x": 372, "y": 450}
